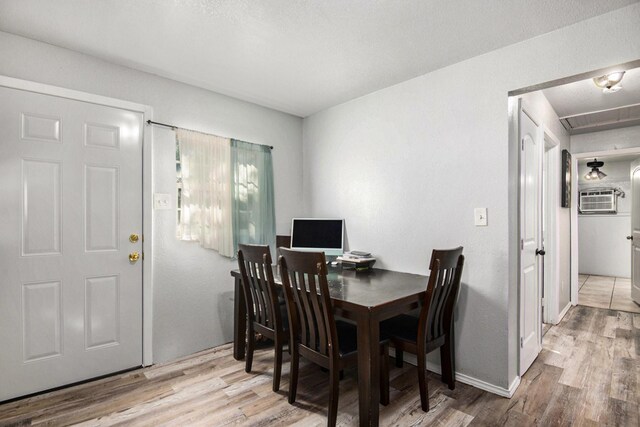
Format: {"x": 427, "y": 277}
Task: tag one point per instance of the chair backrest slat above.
{"x": 304, "y": 277}
{"x": 316, "y": 303}
{"x": 259, "y": 286}
{"x": 310, "y": 333}
{"x": 302, "y": 317}
{"x": 442, "y": 291}
{"x": 256, "y": 291}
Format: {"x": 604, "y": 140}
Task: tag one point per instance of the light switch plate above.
{"x": 480, "y": 216}
{"x": 161, "y": 201}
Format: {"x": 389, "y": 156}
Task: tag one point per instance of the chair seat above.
{"x": 347, "y": 337}
{"x": 404, "y": 327}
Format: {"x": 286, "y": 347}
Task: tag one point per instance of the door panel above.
{"x": 101, "y": 208}
{"x": 41, "y": 211}
{"x": 102, "y": 323}
{"x": 70, "y": 300}
{"x": 36, "y": 127}
{"x": 41, "y": 320}
{"x": 531, "y": 238}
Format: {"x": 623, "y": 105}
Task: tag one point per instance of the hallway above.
{"x": 606, "y": 292}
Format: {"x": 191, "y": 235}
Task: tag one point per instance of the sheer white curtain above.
{"x": 206, "y": 190}
{"x": 254, "y": 216}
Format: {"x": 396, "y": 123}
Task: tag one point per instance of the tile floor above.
{"x": 606, "y": 292}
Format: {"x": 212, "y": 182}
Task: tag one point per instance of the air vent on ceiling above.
{"x": 602, "y": 120}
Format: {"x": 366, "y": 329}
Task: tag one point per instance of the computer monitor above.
{"x": 318, "y": 234}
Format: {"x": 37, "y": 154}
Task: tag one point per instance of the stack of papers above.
{"x": 356, "y": 256}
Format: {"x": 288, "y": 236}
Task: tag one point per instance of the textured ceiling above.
{"x": 297, "y": 56}
{"x": 584, "y": 96}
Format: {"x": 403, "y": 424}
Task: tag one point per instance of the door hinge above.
{"x": 521, "y": 342}
{"x": 521, "y": 244}
{"x": 522, "y": 144}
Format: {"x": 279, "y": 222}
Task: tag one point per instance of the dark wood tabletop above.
{"x": 367, "y": 298}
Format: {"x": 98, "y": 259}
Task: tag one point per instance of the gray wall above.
{"x": 192, "y": 288}
{"x": 406, "y": 165}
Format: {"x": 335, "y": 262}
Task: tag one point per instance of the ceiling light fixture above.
{"x": 609, "y": 83}
{"x": 595, "y": 173}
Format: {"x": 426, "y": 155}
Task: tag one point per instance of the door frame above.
{"x": 551, "y": 162}
{"x": 147, "y": 196}
{"x": 575, "y": 286}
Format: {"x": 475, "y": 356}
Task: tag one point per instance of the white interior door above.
{"x": 635, "y": 231}
{"x": 70, "y": 299}
{"x": 531, "y": 152}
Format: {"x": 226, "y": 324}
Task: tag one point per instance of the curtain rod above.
{"x": 173, "y": 127}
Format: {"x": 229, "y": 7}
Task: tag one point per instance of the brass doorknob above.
{"x": 133, "y": 238}
{"x": 134, "y": 256}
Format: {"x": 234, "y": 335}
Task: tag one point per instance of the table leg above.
{"x": 239, "y": 321}
{"x": 368, "y": 369}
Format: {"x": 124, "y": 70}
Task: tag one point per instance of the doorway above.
{"x": 604, "y": 248}
{"x": 551, "y": 105}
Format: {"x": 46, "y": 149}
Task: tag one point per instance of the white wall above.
{"x": 193, "y": 290}
{"x": 406, "y": 166}
{"x": 603, "y": 249}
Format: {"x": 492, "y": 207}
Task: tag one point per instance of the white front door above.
{"x": 71, "y": 194}
{"x": 531, "y": 152}
{"x": 635, "y": 232}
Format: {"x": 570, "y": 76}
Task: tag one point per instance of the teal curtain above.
{"x": 252, "y": 199}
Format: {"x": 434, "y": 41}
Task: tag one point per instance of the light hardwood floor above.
{"x": 606, "y": 292}
{"x": 587, "y": 374}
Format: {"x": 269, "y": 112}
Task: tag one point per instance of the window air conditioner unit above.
{"x": 598, "y": 201}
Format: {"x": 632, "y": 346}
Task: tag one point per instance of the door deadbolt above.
{"x": 133, "y": 238}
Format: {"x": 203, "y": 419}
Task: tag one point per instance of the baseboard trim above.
{"x": 466, "y": 379}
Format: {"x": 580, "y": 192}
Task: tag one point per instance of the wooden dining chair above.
{"x": 434, "y": 327}
{"x": 265, "y": 314}
{"x": 314, "y": 332}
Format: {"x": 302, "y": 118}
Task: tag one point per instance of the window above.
{"x": 224, "y": 191}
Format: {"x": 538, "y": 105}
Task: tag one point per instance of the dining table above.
{"x": 365, "y": 298}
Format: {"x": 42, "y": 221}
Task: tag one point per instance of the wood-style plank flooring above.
{"x": 587, "y": 374}
{"x": 606, "y": 292}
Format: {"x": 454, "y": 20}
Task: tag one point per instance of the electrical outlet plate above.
{"x": 480, "y": 217}
{"x": 161, "y": 201}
